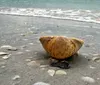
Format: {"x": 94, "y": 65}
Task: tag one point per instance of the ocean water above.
{"x": 81, "y": 10}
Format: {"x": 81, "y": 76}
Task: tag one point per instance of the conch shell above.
{"x": 60, "y": 47}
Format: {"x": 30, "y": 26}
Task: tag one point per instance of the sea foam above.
{"x": 79, "y": 15}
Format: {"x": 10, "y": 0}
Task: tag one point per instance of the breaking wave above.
{"x": 80, "y": 15}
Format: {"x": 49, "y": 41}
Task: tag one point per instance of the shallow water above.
{"x": 79, "y": 4}
{"x": 81, "y": 10}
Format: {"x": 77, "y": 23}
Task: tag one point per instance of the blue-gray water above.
{"x": 76, "y": 4}
{"x": 83, "y": 10}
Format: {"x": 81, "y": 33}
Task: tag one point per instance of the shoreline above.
{"x": 51, "y": 18}
{"x": 82, "y": 15}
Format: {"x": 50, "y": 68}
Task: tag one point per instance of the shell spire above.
{"x": 60, "y": 47}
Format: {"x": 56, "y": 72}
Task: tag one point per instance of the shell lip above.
{"x": 45, "y": 37}
{"x": 82, "y": 41}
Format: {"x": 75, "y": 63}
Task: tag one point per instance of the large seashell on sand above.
{"x": 60, "y": 47}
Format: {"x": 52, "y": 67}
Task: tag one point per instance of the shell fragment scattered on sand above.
{"x": 22, "y": 34}
{"x": 16, "y": 77}
{"x": 3, "y": 53}
{"x": 88, "y": 79}
{"x": 95, "y": 55}
{"x": 96, "y": 59}
{"x": 89, "y": 36}
{"x": 31, "y": 43}
{"x": 41, "y": 83}
{"x": 3, "y": 66}
{"x": 33, "y": 63}
{"x": 5, "y": 57}
{"x": 27, "y": 50}
{"x": 91, "y": 67}
{"x": 61, "y": 72}
{"x": 19, "y": 53}
{"x": 44, "y": 66}
{"x": 51, "y": 72}
{"x": 28, "y": 60}
{"x": 8, "y": 47}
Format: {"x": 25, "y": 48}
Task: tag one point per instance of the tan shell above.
{"x": 60, "y": 47}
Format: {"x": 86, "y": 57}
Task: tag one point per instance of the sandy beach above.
{"x": 29, "y": 63}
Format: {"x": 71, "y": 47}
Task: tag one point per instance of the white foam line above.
{"x": 79, "y": 15}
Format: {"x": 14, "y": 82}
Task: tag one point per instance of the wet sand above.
{"x": 27, "y": 62}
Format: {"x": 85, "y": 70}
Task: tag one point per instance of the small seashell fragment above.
{"x": 27, "y": 50}
{"x": 89, "y": 36}
{"x": 92, "y": 67}
{"x": 43, "y": 66}
{"x": 5, "y": 57}
{"x": 49, "y": 31}
{"x": 96, "y": 55}
{"x": 24, "y": 46}
{"x": 19, "y": 53}
{"x": 42, "y": 69}
{"x": 3, "y": 53}
{"x": 22, "y": 34}
{"x": 96, "y": 59}
{"x": 88, "y": 79}
{"x": 13, "y": 49}
{"x": 16, "y": 77}
{"x": 31, "y": 43}
{"x": 3, "y": 66}
{"x": 51, "y": 72}
{"x": 8, "y": 47}
{"x": 33, "y": 63}
{"x": 25, "y": 39}
{"x": 61, "y": 72}
{"x": 41, "y": 83}
{"x": 28, "y": 60}
{"x": 98, "y": 78}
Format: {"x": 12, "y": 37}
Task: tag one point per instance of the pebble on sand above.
{"x": 51, "y": 72}
{"x": 41, "y": 83}
{"x": 8, "y": 47}
{"x": 3, "y": 53}
{"x": 88, "y": 79}
{"x": 60, "y": 72}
